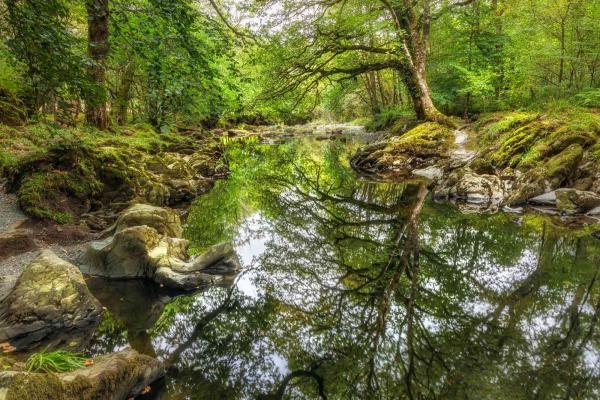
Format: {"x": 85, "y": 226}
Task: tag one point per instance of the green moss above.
{"x": 57, "y": 173}
{"x": 428, "y": 139}
{"x": 561, "y": 166}
{"x": 548, "y": 149}
{"x": 493, "y": 125}
{"x": 35, "y": 387}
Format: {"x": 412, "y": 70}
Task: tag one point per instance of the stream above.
{"x": 357, "y": 290}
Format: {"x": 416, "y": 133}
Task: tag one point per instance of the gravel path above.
{"x": 10, "y": 214}
{"x": 14, "y": 265}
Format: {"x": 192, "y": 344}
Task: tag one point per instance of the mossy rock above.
{"x": 420, "y": 147}
{"x": 549, "y": 151}
{"x": 111, "y": 377}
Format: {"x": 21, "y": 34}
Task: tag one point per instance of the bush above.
{"x": 387, "y": 118}
{"x": 589, "y": 98}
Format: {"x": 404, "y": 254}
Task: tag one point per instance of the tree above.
{"x": 98, "y": 46}
{"x": 340, "y": 40}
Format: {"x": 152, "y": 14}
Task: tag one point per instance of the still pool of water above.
{"x": 359, "y": 290}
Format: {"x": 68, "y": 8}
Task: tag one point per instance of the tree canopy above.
{"x": 191, "y": 62}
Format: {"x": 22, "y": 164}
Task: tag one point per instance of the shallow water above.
{"x": 358, "y": 290}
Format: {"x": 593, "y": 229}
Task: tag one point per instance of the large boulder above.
{"x": 49, "y": 302}
{"x": 145, "y": 242}
{"x": 115, "y": 376}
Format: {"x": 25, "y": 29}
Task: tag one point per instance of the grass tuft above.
{"x": 55, "y": 361}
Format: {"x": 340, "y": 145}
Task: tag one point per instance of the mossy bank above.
{"x": 66, "y": 174}
{"x": 516, "y": 156}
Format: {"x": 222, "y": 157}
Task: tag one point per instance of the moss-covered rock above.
{"x": 420, "y": 147}
{"x": 50, "y": 302}
{"x": 114, "y": 376}
{"x": 549, "y": 151}
{"x": 61, "y": 174}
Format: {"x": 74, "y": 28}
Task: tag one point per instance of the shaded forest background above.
{"x": 177, "y": 63}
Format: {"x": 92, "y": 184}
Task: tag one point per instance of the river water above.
{"x": 359, "y": 290}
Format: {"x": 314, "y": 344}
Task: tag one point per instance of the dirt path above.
{"x": 66, "y": 242}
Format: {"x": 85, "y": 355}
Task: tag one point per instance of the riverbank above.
{"x": 502, "y": 160}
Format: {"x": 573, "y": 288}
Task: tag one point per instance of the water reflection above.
{"x": 358, "y": 290}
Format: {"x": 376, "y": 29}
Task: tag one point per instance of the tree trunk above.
{"x": 124, "y": 93}
{"x": 98, "y": 13}
{"x": 414, "y": 29}
{"x": 418, "y": 90}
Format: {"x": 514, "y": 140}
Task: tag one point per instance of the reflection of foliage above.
{"x": 177, "y": 306}
{"x": 363, "y": 294}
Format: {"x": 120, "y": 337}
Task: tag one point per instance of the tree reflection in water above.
{"x": 364, "y": 290}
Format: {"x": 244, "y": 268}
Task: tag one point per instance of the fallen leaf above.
{"x": 6, "y": 347}
{"x": 89, "y": 362}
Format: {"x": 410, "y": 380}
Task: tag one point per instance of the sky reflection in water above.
{"x": 363, "y": 290}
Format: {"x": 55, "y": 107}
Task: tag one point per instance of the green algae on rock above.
{"x": 114, "y": 376}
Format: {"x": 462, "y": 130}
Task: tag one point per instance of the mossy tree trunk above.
{"x": 413, "y": 30}
{"x": 98, "y": 15}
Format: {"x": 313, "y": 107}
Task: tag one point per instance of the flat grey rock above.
{"x": 594, "y": 212}
{"x": 432, "y": 173}
{"x": 548, "y": 199}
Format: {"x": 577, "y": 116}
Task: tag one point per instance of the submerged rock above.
{"x": 145, "y": 243}
{"x": 49, "y": 301}
{"x": 115, "y": 376}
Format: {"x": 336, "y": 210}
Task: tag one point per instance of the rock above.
{"x": 164, "y": 220}
{"x": 432, "y": 173}
{"x": 594, "y": 212}
{"x": 546, "y": 199}
{"x": 513, "y": 210}
{"x": 145, "y": 243}
{"x": 468, "y": 186}
{"x": 421, "y": 147}
{"x": 115, "y": 376}
{"x": 16, "y": 241}
{"x": 572, "y": 201}
{"x": 48, "y": 301}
